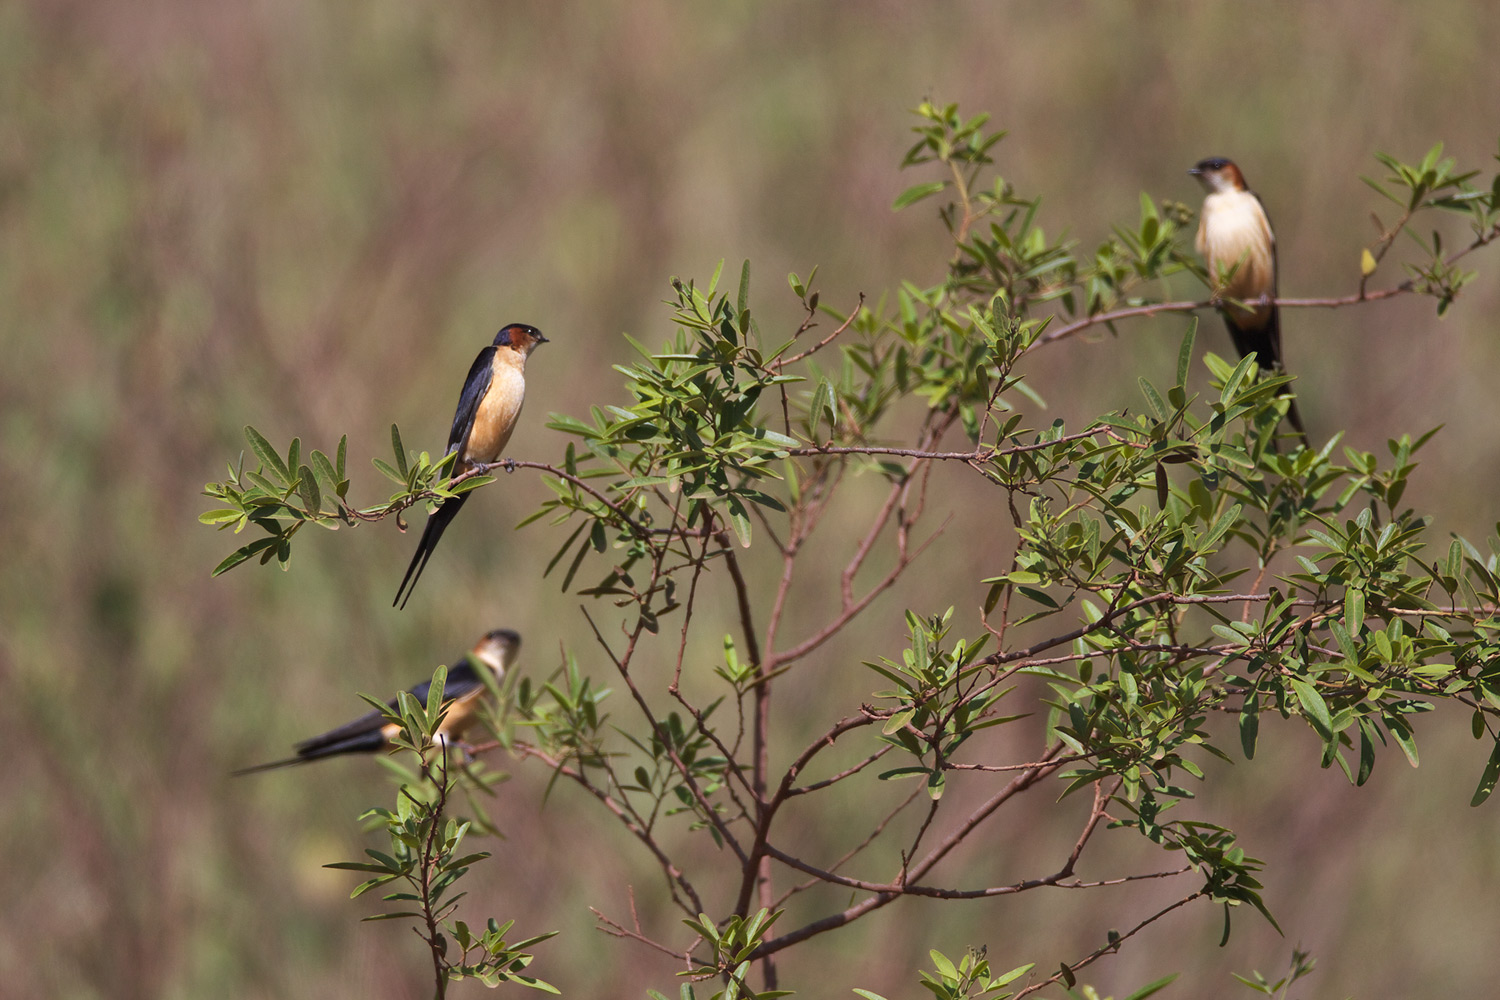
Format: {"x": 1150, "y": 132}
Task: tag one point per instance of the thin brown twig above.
{"x": 1112, "y": 946}
{"x": 882, "y": 898}
{"x": 1333, "y": 302}
{"x": 615, "y": 929}
{"x": 856, "y": 849}
{"x": 674, "y": 874}
{"x": 781, "y": 363}
{"x": 621, "y": 666}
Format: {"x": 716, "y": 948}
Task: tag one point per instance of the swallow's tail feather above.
{"x": 437, "y": 523}
{"x": 272, "y": 766}
{"x": 1295, "y": 419}
{"x": 1264, "y": 342}
{"x": 363, "y": 743}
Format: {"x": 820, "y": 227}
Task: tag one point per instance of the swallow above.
{"x": 1239, "y": 247}
{"x": 482, "y": 424}
{"x": 372, "y": 732}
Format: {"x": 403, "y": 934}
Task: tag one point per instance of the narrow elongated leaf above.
{"x": 1226, "y": 521}
{"x": 1354, "y": 609}
{"x": 1488, "y": 778}
{"x": 1236, "y": 377}
{"x": 1250, "y": 725}
{"x": 1150, "y": 988}
{"x": 1158, "y": 405}
{"x": 269, "y": 459}
{"x": 1400, "y": 730}
{"x": 1185, "y": 352}
{"x": 307, "y": 485}
{"x": 1314, "y": 707}
{"x": 916, "y": 193}
{"x": 240, "y": 555}
{"x": 400, "y": 451}
{"x": 435, "y": 695}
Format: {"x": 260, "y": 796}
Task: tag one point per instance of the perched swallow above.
{"x": 1237, "y": 244}
{"x": 486, "y": 414}
{"x": 371, "y": 732}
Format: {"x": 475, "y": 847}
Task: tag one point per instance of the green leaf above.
{"x": 241, "y": 554}
{"x": 1354, "y": 609}
{"x": 269, "y": 459}
{"x": 324, "y": 468}
{"x": 400, "y": 451}
{"x": 1488, "y": 778}
{"x": 1400, "y": 730}
{"x": 1366, "y": 753}
{"x": 1185, "y": 352}
{"x": 1250, "y": 724}
{"x": 384, "y": 468}
{"x": 740, "y": 521}
{"x": 307, "y": 486}
{"x": 1236, "y": 377}
{"x": 1150, "y": 988}
{"x": 822, "y": 402}
{"x": 1314, "y": 707}
{"x": 897, "y": 721}
{"x": 1226, "y": 520}
{"x": 435, "y": 695}
{"x": 1158, "y": 405}
{"x": 916, "y": 193}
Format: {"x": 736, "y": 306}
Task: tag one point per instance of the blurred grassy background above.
{"x": 309, "y": 217}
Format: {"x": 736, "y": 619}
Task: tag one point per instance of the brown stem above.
{"x": 434, "y": 939}
{"x": 1335, "y": 302}
{"x": 888, "y": 893}
{"x": 1112, "y": 946}
{"x": 673, "y": 873}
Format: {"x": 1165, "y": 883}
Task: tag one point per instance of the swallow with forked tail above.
{"x": 487, "y": 412}
{"x": 372, "y": 732}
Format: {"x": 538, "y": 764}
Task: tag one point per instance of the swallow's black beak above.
{"x": 1195, "y": 171}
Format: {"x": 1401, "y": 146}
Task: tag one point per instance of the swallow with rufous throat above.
{"x": 372, "y": 732}
{"x": 487, "y": 411}
{"x": 1239, "y": 248}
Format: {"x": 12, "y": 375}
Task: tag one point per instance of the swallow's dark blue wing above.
{"x": 370, "y": 722}
{"x": 461, "y": 680}
{"x": 437, "y": 523}
{"x": 366, "y": 733}
{"x": 475, "y": 387}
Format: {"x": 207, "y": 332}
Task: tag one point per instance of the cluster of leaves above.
{"x": 1300, "y": 965}
{"x": 1432, "y": 184}
{"x": 693, "y": 428}
{"x": 282, "y": 495}
{"x": 731, "y": 947}
{"x": 426, "y": 856}
{"x": 969, "y": 978}
{"x": 1000, "y": 250}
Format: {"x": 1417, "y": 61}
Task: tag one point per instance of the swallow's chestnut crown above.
{"x": 520, "y": 336}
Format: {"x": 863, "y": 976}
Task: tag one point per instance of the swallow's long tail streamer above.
{"x": 437, "y": 523}
{"x": 368, "y": 742}
{"x": 1265, "y": 343}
